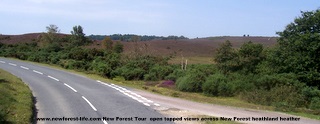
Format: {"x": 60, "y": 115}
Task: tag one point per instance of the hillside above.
{"x": 24, "y": 38}
{"x": 195, "y": 50}
{"x": 193, "y": 47}
{"x": 198, "y": 50}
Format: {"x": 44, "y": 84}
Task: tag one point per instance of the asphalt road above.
{"x": 63, "y": 97}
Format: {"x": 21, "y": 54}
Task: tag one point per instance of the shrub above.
{"x": 315, "y": 103}
{"x": 192, "y": 82}
{"x": 39, "y": 56}
{"x": 242, "y": 83}
{"x": 218, "y": 85}
{"x": 158, "y": 72}
{"x": 255, "y": 96}
{"x": 100, "y": 66}
{"x": 269, "y": 81}
{"x": 312, "y": 97}
{"x": 129, "y": 73}
{"x": 283, "y": 97}
{"x": 54, "y": 58}
{"x": 286, "y": 97}
{"x": 177, "y": 73}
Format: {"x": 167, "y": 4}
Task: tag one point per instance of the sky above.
{"x": 190, "y": 18}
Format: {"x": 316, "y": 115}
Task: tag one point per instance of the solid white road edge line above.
{"x": 146, "y": 104}
{"x": 24, "y": 67}
{"x": 37, "y": 72}
{"x": 70, "y": 87}
{"x": 94, "y": 108}
{"x": 124, "y": 90}
{"x": 12, "y": 64}
{"x": 53, "y": 78}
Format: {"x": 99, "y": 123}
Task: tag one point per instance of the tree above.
{"x": 298, "y": 48}
{"x": 78, "y": 36}
{"x": 118, "y": 47}
{"x": 107, "y": 44}
{"x": 78, "y": 31}
{"x": 226, "y": 57}
{"x": 50, "y": 37}
{"x": 250, "y": 55}
{"x": 52, "y": 29}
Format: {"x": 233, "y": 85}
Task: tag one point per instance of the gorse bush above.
{"x": 192, "y": 81}
{"x": 158, "y": 72}
{"x": 177, "y": 73}
{"x": 218, "y": 85}
{"x": 129, "y": 73}
{"x": 242, "y": 83}
{"x": 269, "y": 81}
{"x": 100, "y": 66}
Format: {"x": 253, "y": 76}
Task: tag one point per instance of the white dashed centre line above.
{"x": 38, "y": 72}
{"x": 94, "y": 108}
{"x": 53, "y": 78}
{"x": 24, "y": 67}
{"x": 70, "y": 87}
{"x": 2, "y": 62}
{"x": 104, "y": 122}
{"x": 156, "y": 104}
{"x": 12, "y": 64}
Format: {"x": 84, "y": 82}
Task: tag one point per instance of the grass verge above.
{"x": 16, "y": 105}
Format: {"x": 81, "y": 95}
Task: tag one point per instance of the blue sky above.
{"x": 190, "y": 18}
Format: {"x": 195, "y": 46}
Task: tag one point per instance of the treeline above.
{"x": 286, "y": 76}
{"x": 133, "y": 38}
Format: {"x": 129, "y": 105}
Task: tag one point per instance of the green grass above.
{"x": 16, "y": 105}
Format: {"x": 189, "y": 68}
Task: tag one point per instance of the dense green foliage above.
{"x": 299, "y": 49}
{"x": 286, "y": 76}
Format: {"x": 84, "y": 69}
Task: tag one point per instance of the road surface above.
{"x": 63, "y": 97}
